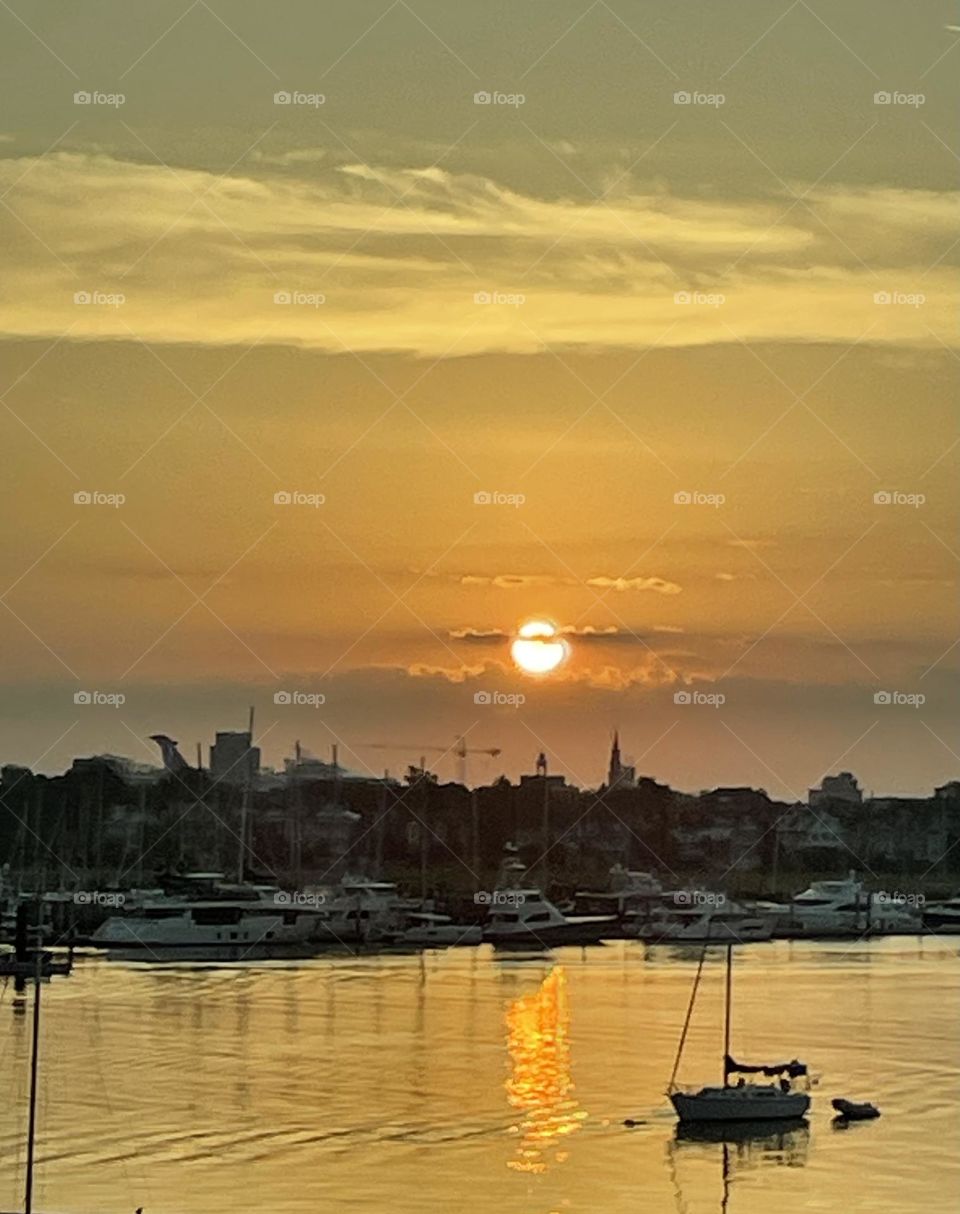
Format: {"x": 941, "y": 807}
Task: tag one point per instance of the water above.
{"x": 468, "y": 1080}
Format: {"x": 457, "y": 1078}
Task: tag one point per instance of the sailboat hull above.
{"x": 752, "y": 1102}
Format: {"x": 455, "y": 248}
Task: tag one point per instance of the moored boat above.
{"x": 742, "y": 1101}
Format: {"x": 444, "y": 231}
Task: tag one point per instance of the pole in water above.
{"x": 726, "y": 1019}
{"x": 34, "y": 1069}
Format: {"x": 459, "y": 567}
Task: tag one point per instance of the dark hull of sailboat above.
{"x": 727, "y": 1107}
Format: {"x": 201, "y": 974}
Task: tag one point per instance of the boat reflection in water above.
{"x": 540, "y": 1085}
{"x": 743, "y": 1145}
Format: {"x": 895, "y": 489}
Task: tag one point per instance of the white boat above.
{"x": 697, "y": 924}
{"x": 361, "y": 912}
{"x": 740, "y": 1101}
{"x": 842, "y": 908}
{"x": 221, "y": 918}
{"x": 424, "y": 929}
{"x": 220, "y": 924}
{"x": 524, "y": 918}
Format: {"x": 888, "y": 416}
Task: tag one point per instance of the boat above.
{"x": 628, "y": 891}
{"x": 525, "y": 918}
{"x": 694, "y": 924}
{"x": 361, "y": 912}
{"x": 740, "y": 1101}
{"x": 217, "y": 920}
{"x": 855, "y": 1112}
{"x": 942, "y": 917}
{"x": 425, "y": 929}
{"x": 841, "y": 908}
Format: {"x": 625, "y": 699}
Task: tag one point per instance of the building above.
{"x": 619, "y": 774}
{"x": 840, "y": 788}
{"x": 233, "y": 759}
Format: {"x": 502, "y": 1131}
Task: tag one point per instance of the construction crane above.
{"x": 459, "y": 748}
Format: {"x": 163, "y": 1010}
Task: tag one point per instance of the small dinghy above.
{"x": 854, "y": 1111}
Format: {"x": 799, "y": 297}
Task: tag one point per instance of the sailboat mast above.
{"x": 34, "y": 1076}
{"x": 726, "y": 1018}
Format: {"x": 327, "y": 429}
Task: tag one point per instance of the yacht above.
{"x": 425, "y": 929}
{"x": 841, "y": 908}
{"x": 209, "y": 917}
{"x": 361, "y": 912}
{"x": 219, "y": 927}
{"x": 694, "y": 924}
{"x": 524, "y": 918}
{"x": 627, "y": 890}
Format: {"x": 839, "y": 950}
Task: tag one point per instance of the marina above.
{"x": 387, "y": 1081}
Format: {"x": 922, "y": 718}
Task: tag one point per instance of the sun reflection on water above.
{"x": 540, "y": 1086}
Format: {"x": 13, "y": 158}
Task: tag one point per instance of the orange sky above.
{"x": 597, "y": 299}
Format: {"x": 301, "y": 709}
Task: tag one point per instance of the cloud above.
{"x": 588, "y": 634}
{"x": 657, "y": 584}
{"x": 199, "y": 259}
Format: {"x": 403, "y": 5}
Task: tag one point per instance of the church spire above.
{"x": 614, "y": 774}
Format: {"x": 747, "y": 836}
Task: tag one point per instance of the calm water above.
{"x": 470, "y": 1081}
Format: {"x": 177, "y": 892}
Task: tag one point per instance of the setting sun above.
{"x": 538, "y": 649}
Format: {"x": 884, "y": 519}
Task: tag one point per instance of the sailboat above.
{"x": 740, "y": 1101}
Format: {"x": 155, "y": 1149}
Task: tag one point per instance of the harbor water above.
{"x": 477, "y": 1080}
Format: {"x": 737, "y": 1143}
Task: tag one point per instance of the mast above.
{"x": 34, "y": 1074}
{"x": 245, "y": 805}
{"x": 726, "y": 1018}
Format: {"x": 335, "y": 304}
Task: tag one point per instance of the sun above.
{"x": 538, "y": 649}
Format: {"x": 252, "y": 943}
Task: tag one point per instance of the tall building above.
{"x": 619, "y": 775}
{"x": 232, "y": 758}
